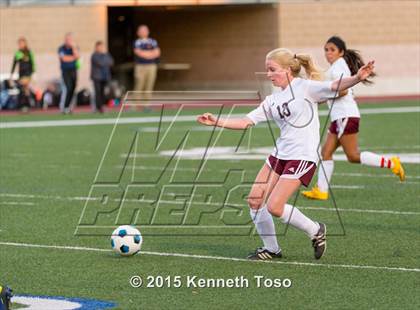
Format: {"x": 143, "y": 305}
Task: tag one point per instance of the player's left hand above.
{"x": 207, "y": 119}
{"x": 365, "y": 71}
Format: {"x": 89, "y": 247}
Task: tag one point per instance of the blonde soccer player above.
{"x": 293, "y": 161}
{"x": 345, "y": 118}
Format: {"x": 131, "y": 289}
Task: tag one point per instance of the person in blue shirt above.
{"x": 100, "y": 73}
{"x": 69, "y": 63}
{"x": 146, "y": 54}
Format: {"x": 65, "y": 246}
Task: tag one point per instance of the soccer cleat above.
{"x": 67, "y": 111}
{"x": 315, "y": 193}
{"x": 398, "y": 169}
{"x": 319, "y": 242}
{"x": 264, "y": 254}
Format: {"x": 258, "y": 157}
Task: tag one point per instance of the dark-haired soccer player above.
{"x": 345, "y": 119}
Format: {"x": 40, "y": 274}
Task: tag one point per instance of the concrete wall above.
{"x": 226, "y": 47}
{"x": 44, "y": 27}
{"x": 386, "y": 31}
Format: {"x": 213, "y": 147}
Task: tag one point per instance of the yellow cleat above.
{"x": 398, "y": 169}
{"x": 315, "y": 193}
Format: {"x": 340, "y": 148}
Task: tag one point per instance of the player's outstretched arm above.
{"x": 361, "y": 75}
{"x": 231, "y": 123}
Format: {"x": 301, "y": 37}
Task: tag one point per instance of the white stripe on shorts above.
{"x": 304, "y": 166}
{"x": 299, "y": 167}
{"x": 341, "y": 126}
{"x": 298, "y": 175}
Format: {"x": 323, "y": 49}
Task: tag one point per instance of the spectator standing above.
{"x": 101, "y": 63}
{"x": 146, "y": 53}
{"x": 25, "y": 61}
{"x": 69, "y": 63}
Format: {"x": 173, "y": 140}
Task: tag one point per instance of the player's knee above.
{"x": 275, "y": 209}
{"x": 353, "y": 158}
{"x": 255, "y": 203}
{"x": 326, "y": 155}
{"x": 255, "y": 198}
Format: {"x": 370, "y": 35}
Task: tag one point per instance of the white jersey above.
{"x": 345, "y": 106}
{"x": 295, "y": 111}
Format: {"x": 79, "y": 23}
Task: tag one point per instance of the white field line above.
{"x": 412, "y": 158}
{"x": 348, "y": 186}
{"x": 347, "y": 174}
{"x": 89, "y": 122}
{"x": 45, "y": 197}
{"x": 385, "y": 148}
{"x": 220, "y": 258}
{"x": 260, "y": 153}
{"x": 369, "y": 175}
{"x": 17, "y": 203}
{"x": 383, "y": 110}
{"x": 160, "y": 168}
{"x": 154, "y": 119}
{"x": 86, "y": 199}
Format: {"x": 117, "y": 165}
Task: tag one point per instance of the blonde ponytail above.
{"x": 311, "y": 69}
{"x": 285, "y": 58}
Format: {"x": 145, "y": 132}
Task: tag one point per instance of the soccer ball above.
{"x": 126, "y": 240}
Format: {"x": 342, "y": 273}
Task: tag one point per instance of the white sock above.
{"x": 263, "y": 221}
{"x": 298, "y": 220}
{"x": 324, "y": 178}
{"x": 375, "y": 160}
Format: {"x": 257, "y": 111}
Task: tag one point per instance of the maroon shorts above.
{"x": 293, "y": 169}
{"x": 344, "y": 126}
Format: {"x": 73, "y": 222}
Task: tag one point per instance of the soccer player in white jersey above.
{"x": 345, "y": 117}
{"x": 292, "y": 163}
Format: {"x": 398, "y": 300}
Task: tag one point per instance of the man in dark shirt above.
{"x": 146, "y": 54}
{"x": 101, "y": 63}
{"x": 69, "y": 56}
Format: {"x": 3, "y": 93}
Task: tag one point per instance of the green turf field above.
{"x": 48, "y": 174}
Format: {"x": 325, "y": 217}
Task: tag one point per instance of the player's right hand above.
{"x": 365, "y": 71}
{"x": 207, "y": 119}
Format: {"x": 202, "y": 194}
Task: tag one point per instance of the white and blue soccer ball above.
{"x": 126, "y": 240}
